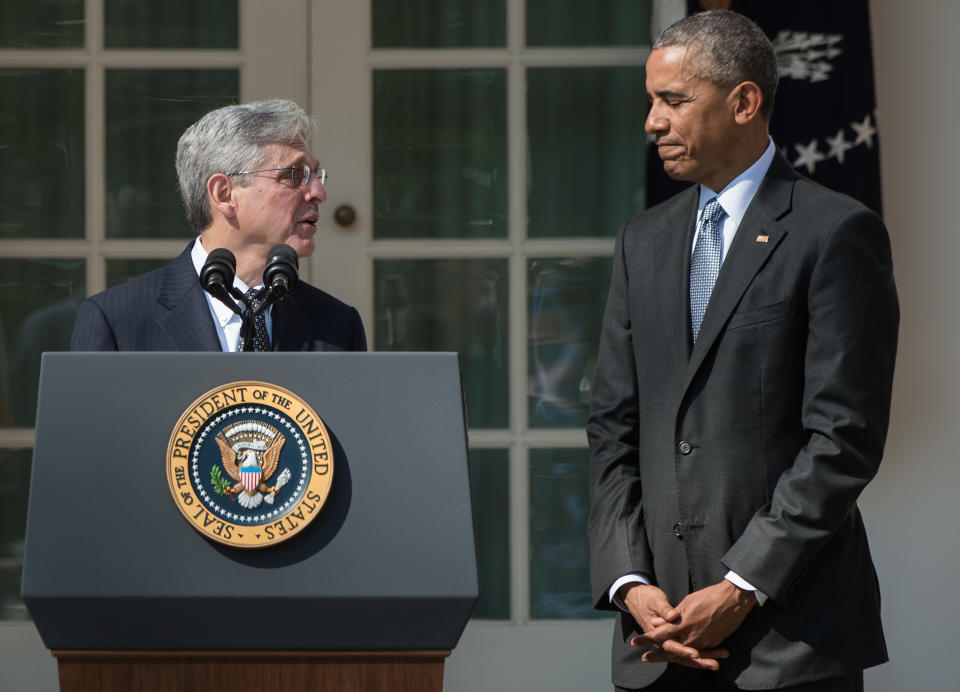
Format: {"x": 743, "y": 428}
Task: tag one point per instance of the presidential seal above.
{"x": 249, "y": 464}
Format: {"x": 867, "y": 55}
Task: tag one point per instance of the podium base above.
{"x": 250, "y": 671}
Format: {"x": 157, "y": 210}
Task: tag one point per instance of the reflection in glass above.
{"x": 601, "y": 23}
{"x": 490, "y": 497}
{"x": 450, "y": 305}
{"x": 171, "y": 24}
{"x": 41, "y": 24}
{"x": 14, "y": 485}
{"x": 587, "y": 167}
{"x": 122, "y": 270}
{"x": 559, "y": 563}
{"x": 566, "y": 302}
{"x": 38, "y": 304}
{"x": 439, "y": 154}
{"x": 41, "y": 153}
{"x": 438, "y": 23}
{"x": 147, "y": 111}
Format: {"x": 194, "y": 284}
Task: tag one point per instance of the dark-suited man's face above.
{"x": 691, "y": 120}
{"x": 272, "y": 210}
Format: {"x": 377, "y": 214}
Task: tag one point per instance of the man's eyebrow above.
{"x": 300, "y": 160}
{"x": 668, "y": 94}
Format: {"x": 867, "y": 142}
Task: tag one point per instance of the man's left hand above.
{"x": 707, "y": 618}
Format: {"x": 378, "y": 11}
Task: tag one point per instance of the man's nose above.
{"x": 315, "y": 190}
{"x": 655, "y": 121}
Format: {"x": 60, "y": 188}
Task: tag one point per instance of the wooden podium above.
{"x": 250, "y": 671}
{"x": 372, "y": 595}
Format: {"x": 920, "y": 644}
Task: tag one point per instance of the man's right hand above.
{"x": 650, "y": 608}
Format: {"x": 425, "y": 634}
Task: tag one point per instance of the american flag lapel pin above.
{"x": 763, "y": 239}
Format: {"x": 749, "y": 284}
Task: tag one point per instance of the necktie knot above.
{"x": 251, "y": 296}
{"x": 261, "y": 341}
{"x": 705, "y": 262}
{"x": 713, "y": 213}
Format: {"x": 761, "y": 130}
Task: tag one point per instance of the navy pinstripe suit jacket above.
{"x": 166, "y": 310}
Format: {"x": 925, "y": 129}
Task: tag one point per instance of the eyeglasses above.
{"x": 299, "y": 175}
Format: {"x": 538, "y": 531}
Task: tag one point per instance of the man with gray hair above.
{"x": 741, "y": 397}
{"x": 249, "y": 182}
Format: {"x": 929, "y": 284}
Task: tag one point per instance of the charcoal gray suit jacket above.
{"x": 748, "y": 450}
{"x": 166, "y": 310}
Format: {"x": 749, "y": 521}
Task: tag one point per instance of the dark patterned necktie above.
{"x": 705, "y": 263}
{"x": 261, "y": 340}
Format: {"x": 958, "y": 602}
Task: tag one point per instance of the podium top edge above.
{"x": 269, "y": 354}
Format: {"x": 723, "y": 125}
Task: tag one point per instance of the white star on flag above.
{"x": 865, "y": 132}
{"x": 809, "y": 155}
{"x": 838, "y": 145}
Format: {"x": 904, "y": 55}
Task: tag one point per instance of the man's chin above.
{"x": 303, "y": 248}
{"x": 676, "y": 170}
{"x": 302, "y": 243}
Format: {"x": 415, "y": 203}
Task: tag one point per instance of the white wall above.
{"x": 911, "y": 509}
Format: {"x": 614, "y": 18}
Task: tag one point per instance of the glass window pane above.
{"x": 38, "y": 304}
{"x": 122, "y": 270}
{"x": 566, "y": 300}
{"x": 147, "y": 111}
{"x": 14, "y": 485}
{"x": 450, "y": 305}
{"x": 599, "y": 23}
{"x": 587, "y": 165}
{"x": 439, "y": 23}
{"x": 171, "y": 24}
{"x": 41, "y": 24}
{"x": 41, "y": 153}
{"x": 559, "y": 567}
{"x": 439, "y": 154}
{"x": 490, "y": 496}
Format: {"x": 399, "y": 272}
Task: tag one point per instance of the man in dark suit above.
{"x": 248, "y": 181}
{"x": 741, "y": 397}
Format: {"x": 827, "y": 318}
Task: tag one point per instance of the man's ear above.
{"x": 220, "y": 193}
{"x": 747, "y": 99}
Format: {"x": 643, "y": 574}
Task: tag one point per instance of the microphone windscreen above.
{"x": 222, "y": 254}
{"x": 282, "y": 270}
{"x": 219, "y": 269}
{"x": 282, "y": 252}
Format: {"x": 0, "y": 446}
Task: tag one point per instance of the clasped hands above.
{"x": 691, "y": 633}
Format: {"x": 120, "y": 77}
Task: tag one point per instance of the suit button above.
{"x": 678, "y": 530}
{"x": 684, "y": 447}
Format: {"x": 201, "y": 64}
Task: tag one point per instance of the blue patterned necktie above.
{"x": 261, "y": 340}
{"x": 705, "y": 263}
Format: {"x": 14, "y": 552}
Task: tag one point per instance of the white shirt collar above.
{"x": 737, "y": 195}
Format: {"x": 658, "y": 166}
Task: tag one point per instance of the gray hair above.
{"x": 233, "y": 139}
{"x": 726, "y": 49}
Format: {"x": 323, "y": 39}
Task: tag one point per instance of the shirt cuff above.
{"x": 739, "y": 581}
{"x": 633, "y": 578}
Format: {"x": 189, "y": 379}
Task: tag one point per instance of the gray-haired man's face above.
{"x": 271, "y": 209}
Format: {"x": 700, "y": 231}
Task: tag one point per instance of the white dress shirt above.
{"x": 734, "y": 198}
{"x": 226, "y": 321}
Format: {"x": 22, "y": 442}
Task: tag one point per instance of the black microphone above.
{"x": 217, "y": 274}
{"x": 279, "y": 276}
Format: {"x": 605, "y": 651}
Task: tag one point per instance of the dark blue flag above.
{"x": 824, "y": 118}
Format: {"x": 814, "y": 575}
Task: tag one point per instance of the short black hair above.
{"x": 726, "y": 49}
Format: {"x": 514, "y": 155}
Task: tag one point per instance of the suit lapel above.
{"x": 757, "y": 238}
{"x": 188, "y": 323}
